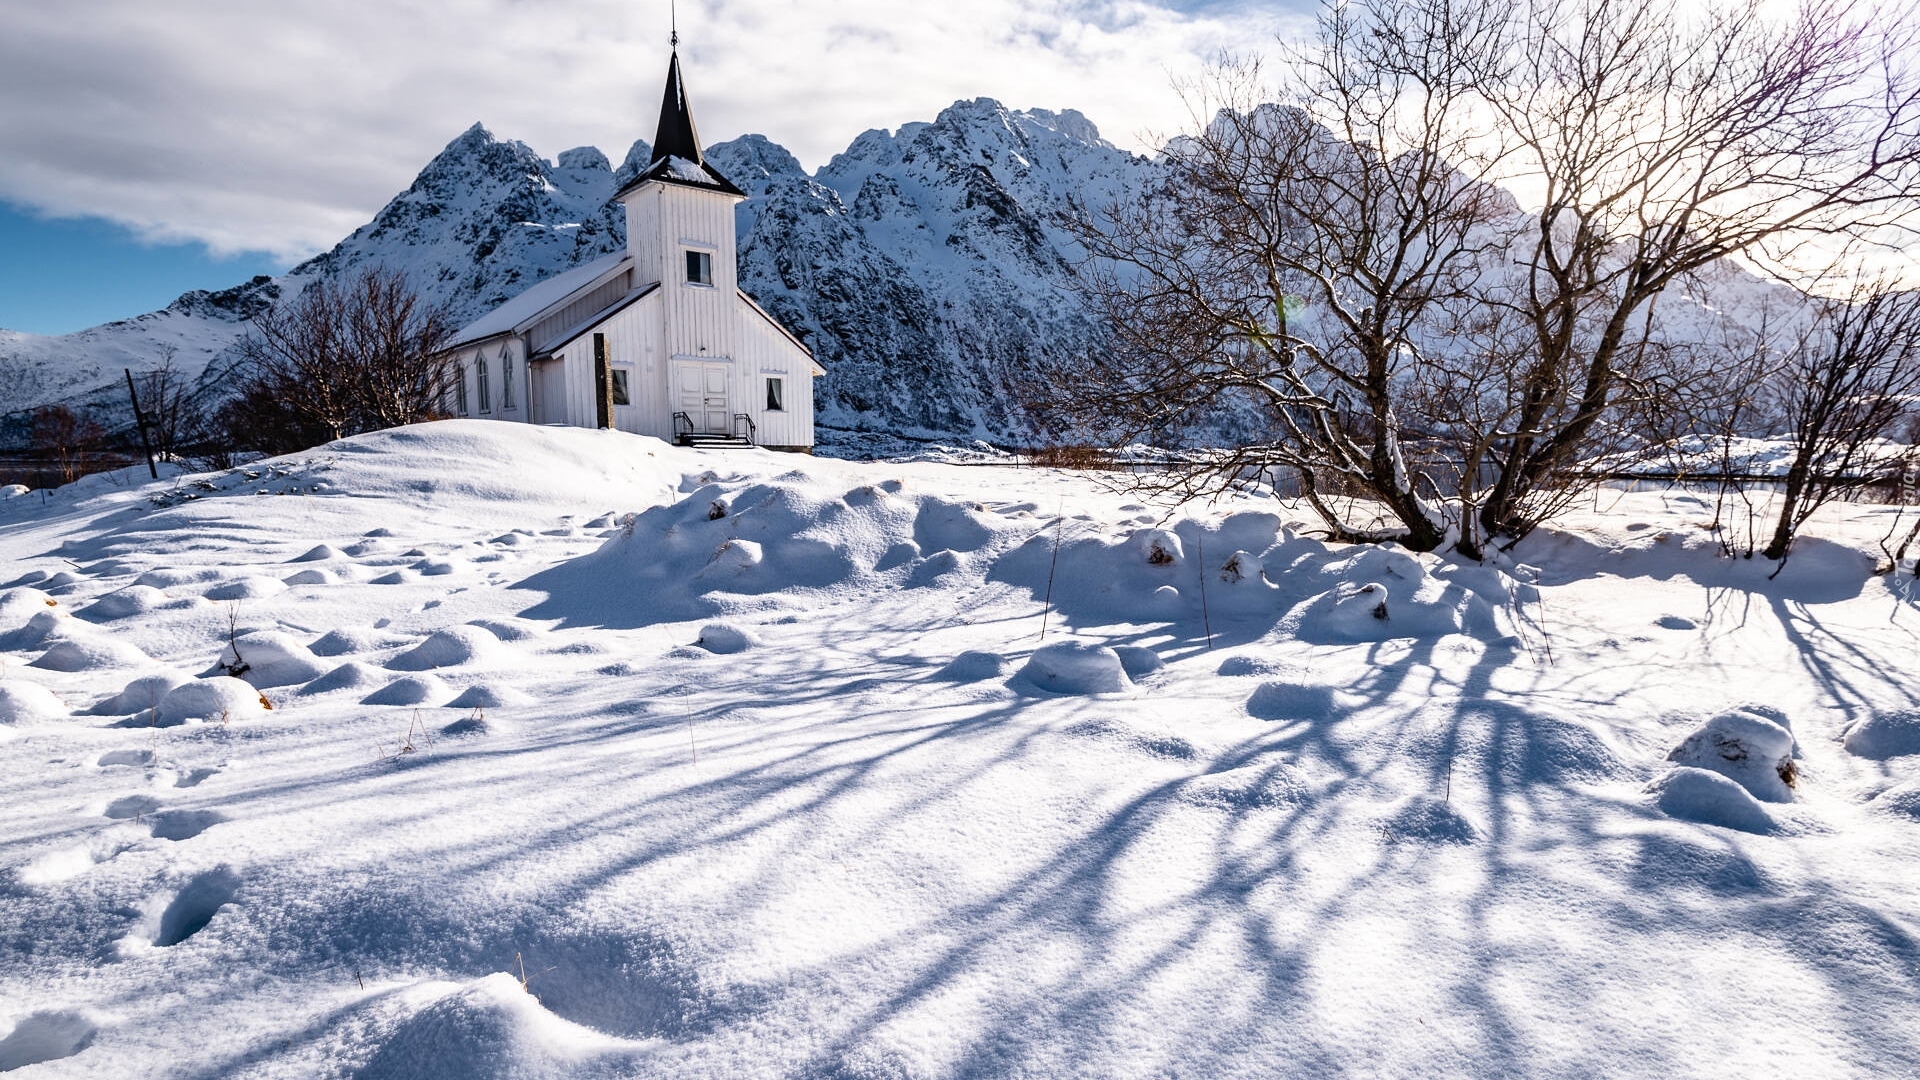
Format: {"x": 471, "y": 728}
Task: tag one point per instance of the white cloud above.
{"x": 282, "y": 126}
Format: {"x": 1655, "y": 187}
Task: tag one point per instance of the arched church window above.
{"x": 506, "y": 378}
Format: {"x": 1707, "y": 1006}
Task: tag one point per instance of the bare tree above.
{"x": 339, "y": 359}
{"x": 176, "y": 415}
{"x": 68, "y": 439}
{"x": 1852, "y": 377}
{"x": 1295, "y": 256}
{"x": 1667, "y": 141}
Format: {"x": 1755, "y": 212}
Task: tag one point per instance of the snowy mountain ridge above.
{"x": 918, "y": 264}
{"x": 923, "y": 266}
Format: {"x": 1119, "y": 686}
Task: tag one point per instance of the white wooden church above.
{"x": 658, "y": 340}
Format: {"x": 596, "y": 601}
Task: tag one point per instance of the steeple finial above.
{"x": 673, "y": 14}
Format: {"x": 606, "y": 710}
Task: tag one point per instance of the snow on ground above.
{"x": 479, "y": 750}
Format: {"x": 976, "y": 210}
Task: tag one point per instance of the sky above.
{"x": 147, "y": 149}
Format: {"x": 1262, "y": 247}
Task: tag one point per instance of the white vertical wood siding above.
{"x": 542, "y": 334}
{"x": 708, "y": 323}
{"x": 633, "y": 341}
{"x": 766, "y": 353}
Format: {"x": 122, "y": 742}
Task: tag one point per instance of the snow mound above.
{"x": 351, "y": 675}
{"x": 1243, "y": 569}
{"x": 19, "y": 605}
{"x": 1429, "y": 821}
{"x": 510, "y": 630}
{"x": 318, "y": 553}
{"x": 489, "y": 1029}
{"x": 246, "y": 588}
{"x": 1138, "y": 661}
{"x": 1292, "y": 701}
{"x": 128, "y": 602}
{"x": 1072, "y": 668}
{"x": 1253, "y": 665}
{"x": 78, "y": 654}
{"x": 38, "y": 629}
{"x": 270, "y": 658}
{"x": 221, "y": 698}
{"x": 1159, "y": 547}
{"x": 308, "y": 577}
{"x": 722, "y": 638}
{"x": 23, "y": 702}
{"x": 1708, "y": 798}
{"x": 411, "y": 690}
{"x": 1745, "y": 747}
{"x": 1249, "y": 787}
{"x": 142, "y": 694}
{"x": 1885, "y": 735}
{"x": 488, "y": 696}
{"x": 170, "y": 579}
{"x": 735, "y": 556}
{"x": 447, "y": 648}
{"x": 344, "y": 642}
{"x": 1903, "y": 800}
{"x": 973, "y": 666}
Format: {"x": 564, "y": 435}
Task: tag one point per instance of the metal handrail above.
{"x": 682, "y": 425}
{"x": 753, "y": 429}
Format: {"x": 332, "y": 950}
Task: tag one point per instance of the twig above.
{"x": 1200, "y": 553}
{"x": 1046, "y": 606}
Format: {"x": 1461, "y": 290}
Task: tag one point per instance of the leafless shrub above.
{"x": 337, "y": 360}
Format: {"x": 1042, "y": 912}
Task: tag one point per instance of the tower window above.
{"x": 776, "y": 396}
{"x": 699, "y": 268}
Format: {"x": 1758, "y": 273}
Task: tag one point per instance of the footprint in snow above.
{"x": 195, "y": 905}
{"x": 45, "y": 1036}
{"x": 131, "y": 806}
{"x": 184, "y": 824}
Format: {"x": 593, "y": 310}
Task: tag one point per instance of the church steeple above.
{"x": 676, "y": 136}
{"x": 677, "y": 157}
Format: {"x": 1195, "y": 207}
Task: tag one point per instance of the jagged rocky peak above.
{"x": 750, "y": 161}
{"x": 238, "y": 304}
{"x": 584, "y": 159}
{"x": 639, "y": 156}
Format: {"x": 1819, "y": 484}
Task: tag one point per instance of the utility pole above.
{"x": 140, "y": 422}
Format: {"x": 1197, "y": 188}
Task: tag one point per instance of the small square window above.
{"x": 699, "y": 268}
{"x": 621, "y": 396}
{"x": 776, "y": 396}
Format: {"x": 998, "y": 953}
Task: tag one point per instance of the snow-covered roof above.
{"x": 530, "y": 306}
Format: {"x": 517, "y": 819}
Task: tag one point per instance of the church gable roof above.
{"x": 534, "y": 304}
{"x": 677, "y": 158}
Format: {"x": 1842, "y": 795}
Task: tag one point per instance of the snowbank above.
{"x": 218, "y": 699}
{"x": 1747, "y": 748}
{"x": 1883, "y": 735}
{"x": 1070, "y": 667}
{"x": 1709, "y": 798}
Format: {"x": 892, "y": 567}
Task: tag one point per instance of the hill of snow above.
{"x": 483, "y": 750}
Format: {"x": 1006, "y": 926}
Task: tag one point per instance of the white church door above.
{"x": 703, "y": 396}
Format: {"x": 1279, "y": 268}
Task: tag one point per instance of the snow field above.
{"x": 798, "y": 789}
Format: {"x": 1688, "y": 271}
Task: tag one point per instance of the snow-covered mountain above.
{"x": 919, "y": 265}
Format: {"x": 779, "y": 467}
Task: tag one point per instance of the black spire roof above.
{"x": 676, "y": 135}
{"x": 677, "y": 140}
